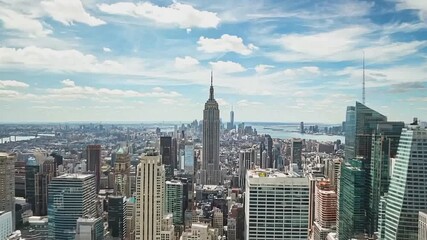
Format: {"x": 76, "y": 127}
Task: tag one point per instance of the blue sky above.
{"x": 278, "y": 61}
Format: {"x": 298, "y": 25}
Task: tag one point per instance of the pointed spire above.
{"x": 211, "y": 92}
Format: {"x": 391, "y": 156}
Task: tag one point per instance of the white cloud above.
{"x": 12, "y": 84}
{"x": 227, "y": 43}
{"x": 420, "y": 5}
{"x": 57, "y": 60}
{"x": 261, "y": 68}
{"x": 303, "y": 71}
{"x": 22, "y": 22}
{"x": 182, "y": 15}
{"x": 68, "y": 83}
{"x": 246, "y": 103}
{"x": 227, "y": 67}
{"x": 105, "y": 49}
{"x": 185, "y": 62}
{"x": 8, "y": 93}
{"x": 221, "y": 102}
{"x": 69, "y": 11}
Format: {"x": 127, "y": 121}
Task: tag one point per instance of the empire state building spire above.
{"x": 211, "y": 94}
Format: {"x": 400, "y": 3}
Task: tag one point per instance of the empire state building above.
{"x": 210, "y": 173}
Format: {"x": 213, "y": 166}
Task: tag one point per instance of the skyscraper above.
{"x": 276, "y": 205}
{"x": 385, "y": 141}
{"x": 150, "y": 187}
{"x": 189, "y": 158}
{"x": 301, "y": 127}
{"x": 7, "y": 184}
{"x": 117, "y": 216}
{"x": 166, "y": 153}
{"x": 42, "y": 180}
{"x": 70, "y": 196}
{"x": 352, "y": 199}
{"x": 31, "y": 169}
{"x": 296, "y": 153}
{"x": 94, "y": 162}
{"x": 210, "y": 173}
{"x": 175, "y": 200}
{"x": 231, "y": 125}
{"x": 89, "y": 228}
{"x": 326, "y": 210}
{"x": 122, "y": 173}
{"x": 245, "y": 163}
{"x": 408, "y": 190}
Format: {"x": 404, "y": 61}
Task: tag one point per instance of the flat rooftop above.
{"x": 74, "y": 176}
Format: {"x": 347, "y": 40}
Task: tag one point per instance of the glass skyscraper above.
{"x": 408, "y": 189}
{"x": 70, "y": 196}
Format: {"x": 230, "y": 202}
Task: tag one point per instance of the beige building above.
{"x": 150, "y": 199}
{"x": 7, "y": 184}
{"x": 422, "y": 225}
{"x": 122, "y": 172}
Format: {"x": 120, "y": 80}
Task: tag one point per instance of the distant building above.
{"x": 230, "y": 125}
{"x": 94, "y": 162}
{"x": 7, "y": 184}
{"x": 166, "y": 153}
{"x": 210, "y": 173}
{"x": 217, "y": 221}
{"x": 422, "y": 225}
{"x": 264, "y": 190}
{"x": 70, "y": 196}
{"x": 189, "y": 158}
{"x": 89, "y": 229}
{"x": 6, "y": 225}
{"x": 326, "y": 210}
{"x": 246, "y": 161}
{"x": 175, "y": 201}
{"x": 122, "y": 185}
{"x": 296, "y": 152}
{"x": 301, "y": 127}
{"x": 407, "y": 191}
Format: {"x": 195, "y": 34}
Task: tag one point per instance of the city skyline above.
{"x": 87, "y": 60}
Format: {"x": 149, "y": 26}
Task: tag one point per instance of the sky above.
{"x": 273, "y": 61}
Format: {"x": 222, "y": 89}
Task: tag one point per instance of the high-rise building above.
{"x": 89, "y": 228}
{"x": 407, "y": 192}
{"x": 94, "y": 162}
{"x": 422, "y": 225}
{"x": 296, "y": 152}
{"x": 31, "y": 169}
{"x": 42, "y": 180}
{"x": 150, "y": 187}
{"x": 301, "y": 128}
{"x": 122, "y": 173}
{"x": 245, "y": 163}
{"x": 276, "y": 205}
{"x": 326, "y": 210}
{"x": 70, "y": 196}
{"x": 6, "y": 225}
{"x": 117, "y": 216}
{"x": 7, "y": 184}
{"x": 231, "y": 125}
{"x": 269, "y": 151}
{"x": 210, "y": 173}
{"x": 385, "y": 141}
{"x": 189, "y": 158}
{"x": 130, "y": 218}
{"x": 174, "y": 150}
{"x": 166, "y": 153}
{"x": 217, "y": 221}
{"x": 175, "y": 201}
{"x": 352, "y": 199}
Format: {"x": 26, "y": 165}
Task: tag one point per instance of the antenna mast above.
{"x": 364, "y": 92}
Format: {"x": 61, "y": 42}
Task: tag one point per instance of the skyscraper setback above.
{"x": 210, "y": 173}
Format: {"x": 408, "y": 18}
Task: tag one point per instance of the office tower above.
{"x": 6, "y": 225}
{"x": 167, "y": 230}
{"x": 231, "y": 125}
{"x": 262, "y": 157}
{"x": 245, "y": 163}
{"x": 122, "y": 173}
{"x": 42, "y": 180}
{"x": 150, "y": 187}
{"x": 218, "y": 221}
{"x": 94, "y": 162}
{"x": 31, "y": 169}
{"x": 175, "y": 201}
{"x": 334, "y": 168}
{"x": 166, "y": 153}
{"x": 276, "y": 205}
{"x": 174, "y": 150}
{"x": 20, "y": 178}
{"x": 211, "y": 173}
{"x": 326, "y": 210}
{"x": 361, "y": 122}
{"x": 385, "y": 141}
{"x": 408, "y": 190}
{"x": 70, "y": 196}
{"x": 352, "y": 199}
{"x": 7, "y": 184}
{"x": 422, "y": 225}
{"x": 269, "y": 151}
{"x": 189, "y": 158}
{"x": 89, "y": 228}
{"x": 301, "y": 128}
{"x": 296, "y": 152}
{"x": 117, "y": 216}
{"x": 130, "y": 218}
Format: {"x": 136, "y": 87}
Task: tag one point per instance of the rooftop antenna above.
{"x": 364, "y": 91}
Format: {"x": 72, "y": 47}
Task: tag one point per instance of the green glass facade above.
{"x": 408, "y": 189}
{"x": 352, "y": 214}
{"x": 175, "y": 201}
{"x": 117, "y": 216}
{"x": 385, "y": 141}
{"x": 31, "y": 169}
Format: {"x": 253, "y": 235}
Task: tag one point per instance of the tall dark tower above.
{"x": 94, "y": 162}
{"x": 166, "y": 152}
{"x": 210, "y": 173}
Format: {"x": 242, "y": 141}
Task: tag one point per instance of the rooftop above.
{"x": 74, "y": 176}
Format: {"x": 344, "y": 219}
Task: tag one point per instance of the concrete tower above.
{"x": 7, "y": 184}
{"x": 211, "y": 173}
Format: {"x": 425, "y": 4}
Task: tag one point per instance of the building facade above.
{"x": 94, "y": 162}
{"x": 117, "y": 216}
{"x": 7, "y": 184}
{"x": 175, "y": 201}
{"x": 122, "y": 186}
{"x": 276, "y": 205}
